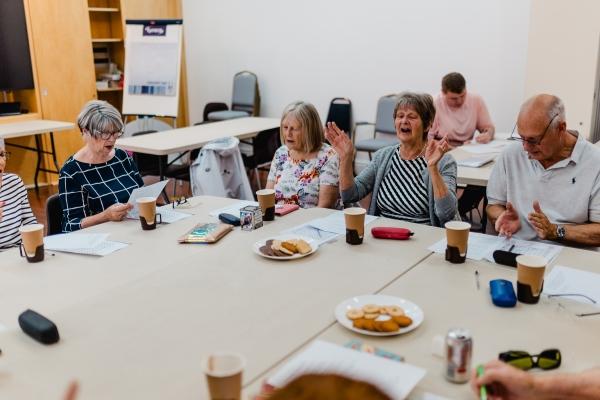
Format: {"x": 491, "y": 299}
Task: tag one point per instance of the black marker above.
{"x": 573, "y": 181}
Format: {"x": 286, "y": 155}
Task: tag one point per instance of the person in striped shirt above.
{"x": 95, "y": 183}
{"x": 413, "y": 181}
{"x": 15, "y": 210}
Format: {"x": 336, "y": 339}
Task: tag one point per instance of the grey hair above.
{"x": 422, "y": 104}
{"x": 556, "y": 107}
{"x": 310, "y": 122}
{"x": 97, "y": 117}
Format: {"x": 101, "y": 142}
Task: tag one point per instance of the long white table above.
{"x": 36, "y": 128}
{"x": 136, "y": 324}
{"x": 193, "y": 137}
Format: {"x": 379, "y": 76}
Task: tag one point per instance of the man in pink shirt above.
{"x": 459, "y": 114}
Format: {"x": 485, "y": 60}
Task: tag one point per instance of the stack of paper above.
{"x": 94, "y": 244}
{"x": 169, "y": 215}
{"x": 482, "y": 246}
{"x": 476, "y": 161}
{"x": 394, "y": 378}
{"x": 563, "y": 280}
{"x": 495, "y": 146}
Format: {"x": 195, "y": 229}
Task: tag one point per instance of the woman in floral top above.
{"x": 305, "y": 169}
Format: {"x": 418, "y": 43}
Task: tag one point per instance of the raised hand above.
{"x": 340, "y": 141}
{"x": 435, "y": 150}
{"x": 508, "y": 222}
{"x": 540, "y": 222}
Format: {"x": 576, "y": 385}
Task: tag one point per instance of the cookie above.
{"x": 371, "y": 309}
{"x": 387, "y": 326}
{"x": 402, "y": 320}
{"x": 354, "y": 313}
{"x": 371, "y": 315}
{"x": 303, "y": 246}
{"x": 394, "y": 311}
{"x": 267, "y": 250}
{"x": 279, "y": 250}
{"x": 359, "y": 323}
{"x": 290, "y": 245}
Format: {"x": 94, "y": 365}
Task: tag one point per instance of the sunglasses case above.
{"x": 38, "y": 327}
{"x": 503, "y": 293}
{"x": 391, "y": 233}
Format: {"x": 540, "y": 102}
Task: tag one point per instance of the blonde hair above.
{"x": 97, "y": 117}
{"x": 310, "y": 123}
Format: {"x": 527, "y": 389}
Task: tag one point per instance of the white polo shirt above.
{"x": 568, "y": 191}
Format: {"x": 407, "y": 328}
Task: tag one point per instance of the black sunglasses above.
{"x": 179, "y": 201}
{"x": 547, "y": 359}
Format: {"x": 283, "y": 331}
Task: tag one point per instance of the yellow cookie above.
{"x": 403, "y": 321}
{"x": 394, "y": 311}
{"x": 371, "y": 315}
{"x": 354, "y": 313}
{"x": 371, "y": 308}
{"x": 303, "y": 246}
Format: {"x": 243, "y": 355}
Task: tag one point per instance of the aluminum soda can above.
{"x": 459, "y": 349}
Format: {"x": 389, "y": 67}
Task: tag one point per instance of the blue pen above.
{"x": 482, "y": 389}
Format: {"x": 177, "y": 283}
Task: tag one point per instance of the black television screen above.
{"x": 15, "y": 60}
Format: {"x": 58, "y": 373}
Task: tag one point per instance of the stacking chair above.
{"x": 340, "y": 112}
{"x": 264, "y": 146}
{"x": 53, "y": 215}
{"x": 245, "y": 100}
{"x": 384, "y": 131}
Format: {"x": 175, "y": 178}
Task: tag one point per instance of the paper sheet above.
{"x": 144, "y": 191}
{"x": 77, "y": 240}
{"x": 395, "y": 378}
{"x": 563, "y": 280}
{"x": 476, "y": 161}
{"x": 335, "y": 222}
{"x": 94, "y": 244}
{"x": 495, "y": 146}
{"x": 320, "y": 237}
{"x": 169, "y": 215}
{"x": 482, "y": 246}
{"x": 233, "y": 209}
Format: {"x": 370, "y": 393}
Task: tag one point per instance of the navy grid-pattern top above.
{"x": 16, "y": 210}
{"x": 88, "y": 189}
{"x": 403, "y": 194}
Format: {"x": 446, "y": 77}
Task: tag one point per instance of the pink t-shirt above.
{"x": 459, "y": 124}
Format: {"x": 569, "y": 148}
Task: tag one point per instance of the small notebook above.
{"x": 206, "y": 232}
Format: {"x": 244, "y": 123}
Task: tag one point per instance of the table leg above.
{"x": 38, "y": 148}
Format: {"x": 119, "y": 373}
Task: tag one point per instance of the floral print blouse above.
{"x": 298, "y": 181}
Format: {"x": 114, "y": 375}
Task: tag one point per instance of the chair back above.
{"x": 53, "y": 215}
{"x": 340, "y": 112}
{"x": 264, "y": 145}
{"x": 384, "y": 120}
{"x": 246, "y": 96}
{"x": 147, "y": 164}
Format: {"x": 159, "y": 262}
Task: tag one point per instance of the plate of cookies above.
{"x": 286, "y": 247}
{"x": 379, "y": 315}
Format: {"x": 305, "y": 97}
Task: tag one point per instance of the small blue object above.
{"x": 503, "y": 293}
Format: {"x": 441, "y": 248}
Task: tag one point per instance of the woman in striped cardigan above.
{"x": 15, "y": 210}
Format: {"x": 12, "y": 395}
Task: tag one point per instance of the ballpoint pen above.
{"x": 477, "y": 279}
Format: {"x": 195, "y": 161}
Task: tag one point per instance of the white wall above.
{"x": 316, "y": 50}
{"x": 563, "y": 55}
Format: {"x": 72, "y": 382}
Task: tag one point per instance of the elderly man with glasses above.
{"x": 547, "y": 187}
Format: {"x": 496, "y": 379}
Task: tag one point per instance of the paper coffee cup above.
{"x": 266, "y": 199}
{"x": 224, "y": 375}
{"x": 147, "y": 210}
{"x": 355, "y": 224}
{"x": 530, "y": 272}
{"x": 32, "y": 236}
{"x": 457, "y": 235}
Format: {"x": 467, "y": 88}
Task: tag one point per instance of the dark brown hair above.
{"x": 327, "y": 387}
{"x": 422, "y": 103}
{"x": 453, "y": 82}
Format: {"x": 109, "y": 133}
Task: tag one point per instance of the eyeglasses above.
{"x": 581, "y": 312}
{"x": 179, "y": 201}
{"x": 107, "y": 135}
{"x": 533, "y": 142}
{"x": 547, "y": 359}
{"x": 5, "y": 155}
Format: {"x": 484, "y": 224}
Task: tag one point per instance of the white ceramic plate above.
{"x": 256, "y": 247}
{"x": 410, "y": 309}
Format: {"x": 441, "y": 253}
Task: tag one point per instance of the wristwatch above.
{"x": 560, "y": 232}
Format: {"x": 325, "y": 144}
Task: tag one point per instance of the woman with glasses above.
{"x": 95, "y": 183}
{"x": 14, "y": 205}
